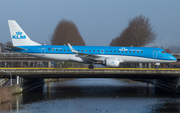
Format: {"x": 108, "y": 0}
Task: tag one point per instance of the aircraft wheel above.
{"x": 91, "y": 67}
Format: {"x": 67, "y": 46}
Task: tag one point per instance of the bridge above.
{"x": 167, "y": 76}
{"x": 142, "y": 73}
{"x": 164, "y": 77}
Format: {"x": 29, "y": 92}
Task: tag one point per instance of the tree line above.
{"x": 139, "y": 32}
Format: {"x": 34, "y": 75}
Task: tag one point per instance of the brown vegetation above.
{"x": 138, "y": 33}
{"x": 66, "y": 32}
{"x": 174, "y": 49}
{"x": 5, "y": 95}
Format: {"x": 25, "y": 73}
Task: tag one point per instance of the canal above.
{"x": 94, "y": 96}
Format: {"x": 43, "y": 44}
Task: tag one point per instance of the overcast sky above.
{"x": 98, "y": 21}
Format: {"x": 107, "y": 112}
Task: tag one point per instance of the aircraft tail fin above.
{"x": 18, "y": 36}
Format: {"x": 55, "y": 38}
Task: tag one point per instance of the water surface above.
{"x": 94, "y": 96}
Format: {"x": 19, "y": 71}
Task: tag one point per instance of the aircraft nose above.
{"x": 173, "y": 58}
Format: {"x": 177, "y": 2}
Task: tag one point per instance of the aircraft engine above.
{"x": 112, "y": 62}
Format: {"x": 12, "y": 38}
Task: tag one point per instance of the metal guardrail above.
{"x": 52, "y": 68}
{"x": 19, "y": 57}
{"x": 7, "y": 83}
{"x": 2, "y": 55}
{"x": 175, "y": 54}
{"x": 2, "y": 81}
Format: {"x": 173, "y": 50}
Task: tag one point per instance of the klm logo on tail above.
{"x": 18, "y": 36}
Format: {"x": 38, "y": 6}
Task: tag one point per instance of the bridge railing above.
{"x": 5, "y": 55}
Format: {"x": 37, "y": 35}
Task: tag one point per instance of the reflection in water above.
{"x": 94, "y": 95}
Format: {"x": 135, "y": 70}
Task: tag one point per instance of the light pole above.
{"x": 10, "y": 76}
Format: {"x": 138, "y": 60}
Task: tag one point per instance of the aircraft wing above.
{"x": 87, "y": 57}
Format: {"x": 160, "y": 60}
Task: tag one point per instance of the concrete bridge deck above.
{"x": 142, "y": 73}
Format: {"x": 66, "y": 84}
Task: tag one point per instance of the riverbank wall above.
{"x": 7, "y": 92}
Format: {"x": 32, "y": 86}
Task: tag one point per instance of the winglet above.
{"x": 72, "y": 49}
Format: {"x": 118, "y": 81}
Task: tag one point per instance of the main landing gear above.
{"x": 156, "y": 67}
{"x": 91, "y": 66}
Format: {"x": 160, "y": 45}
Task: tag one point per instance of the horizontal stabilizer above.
{"x": 17, "y": 48}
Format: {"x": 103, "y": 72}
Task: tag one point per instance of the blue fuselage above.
{"x": 155, "y": 54}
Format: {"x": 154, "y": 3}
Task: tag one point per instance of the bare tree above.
{"x": 66, "y": 32}
{"x": 138, "y": 33}
{"x": 174, "y": 49}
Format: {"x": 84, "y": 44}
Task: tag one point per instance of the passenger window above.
{"x": 68, "y": 50}
{"x": 93, "y": 50}
{"x": 85, "y": 50}
{"x": 118, "y": 51}
{"x": 78, "y": 50}
{"x": 133, "y": 51}
{"x": 137, "y": 51}
{"x": 122, "y": 51}
{"x": 126, "y": 51}
{"x": 56, "y": 49}
{"x": 114, "y": 51}
{"x": 49, "y": 49}
{"x": 163, "y": 52}
{"x": 106, "y": 50}
{"x": 82, "y": 50}
{"x": 97, "y": 50}
{"x": 141, "y": 51}
{"x": 64, "y": 50}
{"x": 110, "y": 51}
{"x": 60, "y": 50}
{"x": 129, "y": 51}
{"x": 52, "y": 49}
{"x": 89, "y": 50}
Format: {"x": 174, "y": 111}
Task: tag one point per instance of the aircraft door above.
{"x": 43, "y": 51}
{"x": 155, "y": 54}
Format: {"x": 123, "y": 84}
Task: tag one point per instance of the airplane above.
{"x": 105, "y": 55}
